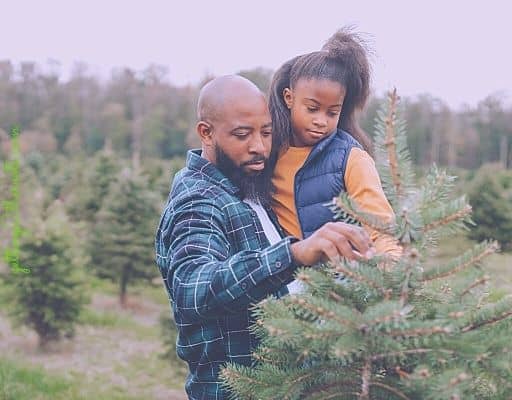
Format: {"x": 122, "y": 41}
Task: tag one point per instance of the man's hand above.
{"x": 332, "y": 241}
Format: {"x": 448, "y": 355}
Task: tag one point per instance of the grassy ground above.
{"x": 19, "y": 382}
{"x": 114, "y": 355}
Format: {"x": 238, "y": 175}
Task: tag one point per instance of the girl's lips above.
{"x": 316, "y": 134}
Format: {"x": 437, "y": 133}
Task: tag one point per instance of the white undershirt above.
{"x": 272, "y": 236}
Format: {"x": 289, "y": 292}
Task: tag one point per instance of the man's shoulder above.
{"x": 193, "y": 197}
{"x": 191, "y": 186}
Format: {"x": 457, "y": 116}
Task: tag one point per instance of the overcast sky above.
{"x": 457, "y": 50}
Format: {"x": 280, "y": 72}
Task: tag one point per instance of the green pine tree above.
{"x": 121, "y": 240}
{"x": 394, "y": 329}
{"x": 95, "y": 185}
{"x": 491, "y": 199}
{"x": 50, "y": 296}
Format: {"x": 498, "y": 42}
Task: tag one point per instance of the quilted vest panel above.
{"x": 320, "y": 179}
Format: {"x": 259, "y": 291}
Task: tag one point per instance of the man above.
{"x": 219, "y": 247}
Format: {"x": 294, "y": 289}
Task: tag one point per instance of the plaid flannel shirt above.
{"x": 216, "y": 262}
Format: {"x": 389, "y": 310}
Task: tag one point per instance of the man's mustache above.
{"x": 256, "y": 160}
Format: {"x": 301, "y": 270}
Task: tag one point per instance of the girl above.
{"x": 319, "y": 150}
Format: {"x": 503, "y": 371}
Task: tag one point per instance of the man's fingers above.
{"x": 338, "y": 247}
{"x": 330, "y": 250}
{"x": 335, "y": 240}
{"x": 357, "y": 236}
{"x": 344, "y": 247}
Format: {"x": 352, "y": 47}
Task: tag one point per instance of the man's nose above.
{"x": 256, "y": 145}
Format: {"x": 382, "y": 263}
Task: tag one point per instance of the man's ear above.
{"x": 288, "y": 97}
{"x": 205, "y": 131}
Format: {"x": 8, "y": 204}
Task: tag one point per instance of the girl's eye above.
{"x": 312, "y": 109}
{"x": 334, "y": 114}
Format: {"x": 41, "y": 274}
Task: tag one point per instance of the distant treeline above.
{"x": 142, "y": 111}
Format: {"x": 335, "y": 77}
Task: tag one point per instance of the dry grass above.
{"x": 114, "y": 355}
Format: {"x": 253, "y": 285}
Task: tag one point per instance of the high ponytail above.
{"x": 350, "y": 49}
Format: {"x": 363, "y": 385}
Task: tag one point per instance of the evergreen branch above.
{"x": 321, "y": 311}
{"x": 382, "y": 313}
{"x": 293, "y": 383}
{"x": 481, "y": 281}
{"x": 409, "y": 226}
{"x": 385, "y": 318}
{"x": 229, "y": 374}
{"x": 357, "y": 277}
{"x": 469, "y": 258}
{"x": 322, "y": 283}
{"x": 335, "y": 296}
{"x": 391, "y": 144}
{"x": 437, "y": 188}
{"x": 404, "y": 293}
{"x": 259, "y": 355}
{"x": 235, "y": 376}
{"x": 315, "y": 389}
{"x": 445, "y": 220}
{"x": 382, "y": 356}
{"x": 417, "y": 332}
{"x": 334, "y": 395}
{"x": 458, "y": 379}
{"x": 347, "y": 210}
{"x": 365, "y": 380}
{"x": 491, "y": 321}
{"x": 497, "y": 375}
{"x": 390, "y": 389}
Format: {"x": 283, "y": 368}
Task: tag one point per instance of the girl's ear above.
{"x": 288, "y": 97}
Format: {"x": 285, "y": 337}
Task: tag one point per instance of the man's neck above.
{"x": 205, "y": 154}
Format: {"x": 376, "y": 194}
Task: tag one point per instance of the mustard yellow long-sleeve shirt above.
{"x": 362, "y": 183}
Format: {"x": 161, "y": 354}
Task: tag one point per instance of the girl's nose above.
{"x": 320, "y": 122}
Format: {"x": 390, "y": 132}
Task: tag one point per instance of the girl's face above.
{"x": 315, "y": 106}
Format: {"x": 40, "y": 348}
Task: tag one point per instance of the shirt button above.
{"x": 278, "y": 264}
{"x": 244, "y": 285}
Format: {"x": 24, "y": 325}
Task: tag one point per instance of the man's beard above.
{"x": 256, "y": 187}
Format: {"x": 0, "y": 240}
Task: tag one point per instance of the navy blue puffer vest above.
{"x": 320, "y": 179}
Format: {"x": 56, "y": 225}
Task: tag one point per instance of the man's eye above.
{"x": 312, "y": 109}
{"x": 267, "y": 133}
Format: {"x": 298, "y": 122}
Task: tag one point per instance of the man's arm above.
{"x": 193, "y": 253}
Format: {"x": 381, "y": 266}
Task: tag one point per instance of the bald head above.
{"x": 234, "y": 124}
{"x": 222, "y": 92}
